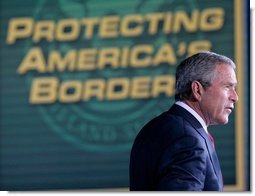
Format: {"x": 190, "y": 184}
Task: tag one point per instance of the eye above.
{"x": 231, "y": 87}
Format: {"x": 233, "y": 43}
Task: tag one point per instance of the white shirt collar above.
{"x": 194, "y": 113}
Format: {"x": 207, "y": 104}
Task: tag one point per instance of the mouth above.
{"x": 229, "y": 109}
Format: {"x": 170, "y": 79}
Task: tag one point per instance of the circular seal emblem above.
{"x": 102, "y": 125}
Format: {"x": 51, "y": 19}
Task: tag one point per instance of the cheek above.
{"x": 215, "y": 104}
{"x": 219, "y": 105}
{"x": 218, "y": 97}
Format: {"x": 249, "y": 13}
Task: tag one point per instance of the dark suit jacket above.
{"x": 174, "y": 153}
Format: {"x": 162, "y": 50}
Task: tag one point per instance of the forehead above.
{"x": 225, "y": 73}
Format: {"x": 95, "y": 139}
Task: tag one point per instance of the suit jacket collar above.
{"x": 178, "y": 110}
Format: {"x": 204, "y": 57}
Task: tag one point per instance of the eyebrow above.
{"x": 231, "y": 83}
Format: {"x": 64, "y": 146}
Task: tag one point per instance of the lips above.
{"x": 229, "y": 108}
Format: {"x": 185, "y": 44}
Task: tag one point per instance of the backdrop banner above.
{"x": 79, "y": 79}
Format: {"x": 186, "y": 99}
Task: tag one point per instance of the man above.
{"x": 175, "y": 151}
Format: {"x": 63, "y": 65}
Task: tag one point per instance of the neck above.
{"x": 197, "y": 108}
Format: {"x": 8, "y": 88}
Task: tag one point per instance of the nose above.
{"x": 234, "y": 96}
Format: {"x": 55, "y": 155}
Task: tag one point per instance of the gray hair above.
{"x": 198, "y": 67}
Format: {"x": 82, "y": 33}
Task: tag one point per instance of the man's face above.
{"x": 218, "y": 100}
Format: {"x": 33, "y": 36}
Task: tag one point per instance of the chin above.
{"x": 225, "y": 121}
{"x": 221, "y": 121}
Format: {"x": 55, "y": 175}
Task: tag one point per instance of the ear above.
{"x": 197, "y": 90}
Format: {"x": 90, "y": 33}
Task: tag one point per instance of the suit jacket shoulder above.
{"x": 154, "y": 159}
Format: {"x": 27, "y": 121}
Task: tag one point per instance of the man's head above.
{"x": 206, "y": 81}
